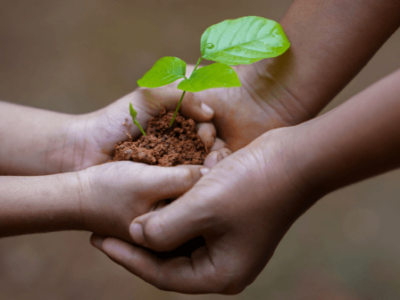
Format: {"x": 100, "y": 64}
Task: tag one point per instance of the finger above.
{"x": 207, "y": 134}
{"x": 181, "y": 274}
{"x": 192, "y": 107}
{"x": 179, "y": 222}
{"x": 168, "y": 98}
{"x": 97, "y": 241}
{"x": 218, "y": 144}
{"x": 159, "y": 183}
{"x": 216, "y": 156}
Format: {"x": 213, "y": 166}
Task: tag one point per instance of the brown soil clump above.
{"x": 165, "y": 146}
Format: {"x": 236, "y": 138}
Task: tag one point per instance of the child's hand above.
{"x": 113, "y": 194}
{"x": 104, "y": 128}
{"x": 102, "y": 199}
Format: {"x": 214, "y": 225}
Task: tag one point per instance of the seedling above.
{"x": 232, "y": 42}
{"x": 133, "y": 115}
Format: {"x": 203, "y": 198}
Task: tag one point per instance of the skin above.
{"x": 331, "y": 41}
{"x": 245, "y": 204}
{"x": 40, "y": 142}
{"x": 243, "y": 218}
{"x": 102, "y": 199}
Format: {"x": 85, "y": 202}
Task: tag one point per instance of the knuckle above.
{"x": 188, "y": 177}
{"x": 154, "y": 232}
{"x": 191, "y": 100}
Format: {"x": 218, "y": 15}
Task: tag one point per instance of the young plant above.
{"x": 133, "y": 115}
{"x": 232, "y": 42}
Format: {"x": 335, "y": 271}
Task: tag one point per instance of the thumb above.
{"x": 172, "y": 226}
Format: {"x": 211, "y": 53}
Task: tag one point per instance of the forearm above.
{"x": 35, "y": 141}
{"x": 39, "y": 204}
{"x": 357, "y": 140}
{"x": 331, "y": 41}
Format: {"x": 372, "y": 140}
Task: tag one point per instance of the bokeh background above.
{"x": 79, "y": 55}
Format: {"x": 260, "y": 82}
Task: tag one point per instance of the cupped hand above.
{"x": 262, "y": 103}
{"x": 113, "y": 194}
{"x": 242, "y": 208}
{"x": 98, "y": 132}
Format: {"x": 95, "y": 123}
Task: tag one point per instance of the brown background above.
{"x": 79, "y": 55}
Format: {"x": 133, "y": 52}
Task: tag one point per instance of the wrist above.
{"x": 71, "y": 145}
{"x": 64, "y": 144}
{"x": 295, "y": 162}
{"x": 39, "y": 204}
{"x": 270, "y": 83}
{"x": 313, "y": 169}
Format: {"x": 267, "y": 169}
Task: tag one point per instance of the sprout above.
{"x": 134, "y": 114}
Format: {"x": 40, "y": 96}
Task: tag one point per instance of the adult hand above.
{"x": 242, "y": 208}
{"x": 260, "y": 104}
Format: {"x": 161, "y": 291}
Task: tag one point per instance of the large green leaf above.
{"x": 165, "y": 70}
{"x": 212, "y": 76}
{"x": 243, "y": 41}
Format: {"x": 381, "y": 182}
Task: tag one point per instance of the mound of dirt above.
{"x": 163, "y": 145}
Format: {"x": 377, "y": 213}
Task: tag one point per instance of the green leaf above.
{"x": 212, "y": 76}
{"x": 132, "y": 111}
{"x": 243, "y": 41}
{"x": 165, "y": 70}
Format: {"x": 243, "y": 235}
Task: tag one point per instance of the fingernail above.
{"x": 208, "y": 110}
{"x": 225, "y": 153}
{"x": 204, "y": 171}
{"x": 97, "y": 242}
{"x": 136, "y": 231}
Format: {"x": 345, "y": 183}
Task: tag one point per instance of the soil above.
{"x": 163, "y": 145}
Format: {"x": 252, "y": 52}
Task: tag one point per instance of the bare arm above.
{"x": 39, "y": 204}
{"x": 357, "y": 140}
{"x": 40, "y": 142}
{"x": 36, "y": 141}
{"x": 102, "y": 199}
{"x": 331, "y": 41}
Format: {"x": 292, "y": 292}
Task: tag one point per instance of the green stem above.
{"x": 140, "y": 127}
{"x": 183, "y": 94}
{"x": 177, "y": 108}
{"x": 195, "y": 68}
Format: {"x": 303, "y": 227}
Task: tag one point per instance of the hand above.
{"x": 242, "y": 208}
{"x": 262, "y": 103}
{"x": 98, "y": 132}
{"x": 113, "y": 194}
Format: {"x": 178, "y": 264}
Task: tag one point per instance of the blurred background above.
{"x": 77, "y": 56}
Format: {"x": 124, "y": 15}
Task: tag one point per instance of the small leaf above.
{"x": 132, "y": 111}
{"x": 165, "y": 70}
{"x": 243, "y": 41}
{"x": 212, "y": 76}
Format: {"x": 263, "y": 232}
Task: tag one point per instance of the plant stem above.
{"x": 183, "y": 94}
{"x": 140, "y": 127}
{"x": 177, "y": 108}
{"x": 195, "y": 68}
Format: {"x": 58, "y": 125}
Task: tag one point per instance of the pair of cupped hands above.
{"x": 241, "y": 204}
